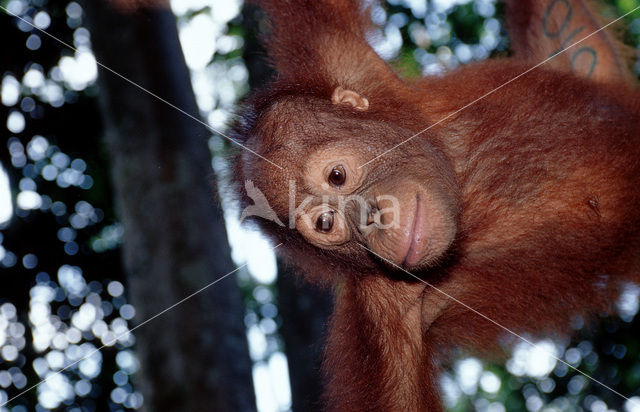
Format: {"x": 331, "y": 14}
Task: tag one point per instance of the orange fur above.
{"x": 539, "y": 29}
{"x": 545, "y": 170}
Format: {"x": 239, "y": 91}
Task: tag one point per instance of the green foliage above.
{"x": 62, "y": 282}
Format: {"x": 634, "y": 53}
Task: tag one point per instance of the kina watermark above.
{"x": 381, "y": 210}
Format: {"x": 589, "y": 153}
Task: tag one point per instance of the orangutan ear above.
{"x": 349, "y": 97}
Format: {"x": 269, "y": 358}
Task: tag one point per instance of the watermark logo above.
{"x": 260, "y": 206}
{"x": 368, "y": 211}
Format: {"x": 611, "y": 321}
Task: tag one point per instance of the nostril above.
{"x": 371, "y": 217}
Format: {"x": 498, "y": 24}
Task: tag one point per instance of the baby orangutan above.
{"x": 445, "y": 210}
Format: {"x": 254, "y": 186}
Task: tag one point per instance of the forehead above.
{"x": 288, "y": 133}
{"x": 293, "y": 131}
{"x": 294, "y": 128}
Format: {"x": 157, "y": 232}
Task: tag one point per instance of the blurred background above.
{"x": 114, "y": 210}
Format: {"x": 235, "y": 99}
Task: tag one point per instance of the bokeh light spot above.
{"x": 16, "y": 122}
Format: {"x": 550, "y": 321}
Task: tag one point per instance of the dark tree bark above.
{"x": 304, "y": 308}
{"x": 194, "y": 357}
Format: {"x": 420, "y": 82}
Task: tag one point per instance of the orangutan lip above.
{"x": 415, "y": 253}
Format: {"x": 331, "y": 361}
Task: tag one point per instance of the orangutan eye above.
{"x": 338, "y": 176}
{"x": 324, "y": 222}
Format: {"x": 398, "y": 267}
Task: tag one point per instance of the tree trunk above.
{"x": 194, "y": 357}
{"x": 305, "y": 311}
{"x": 304, "y": 308}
